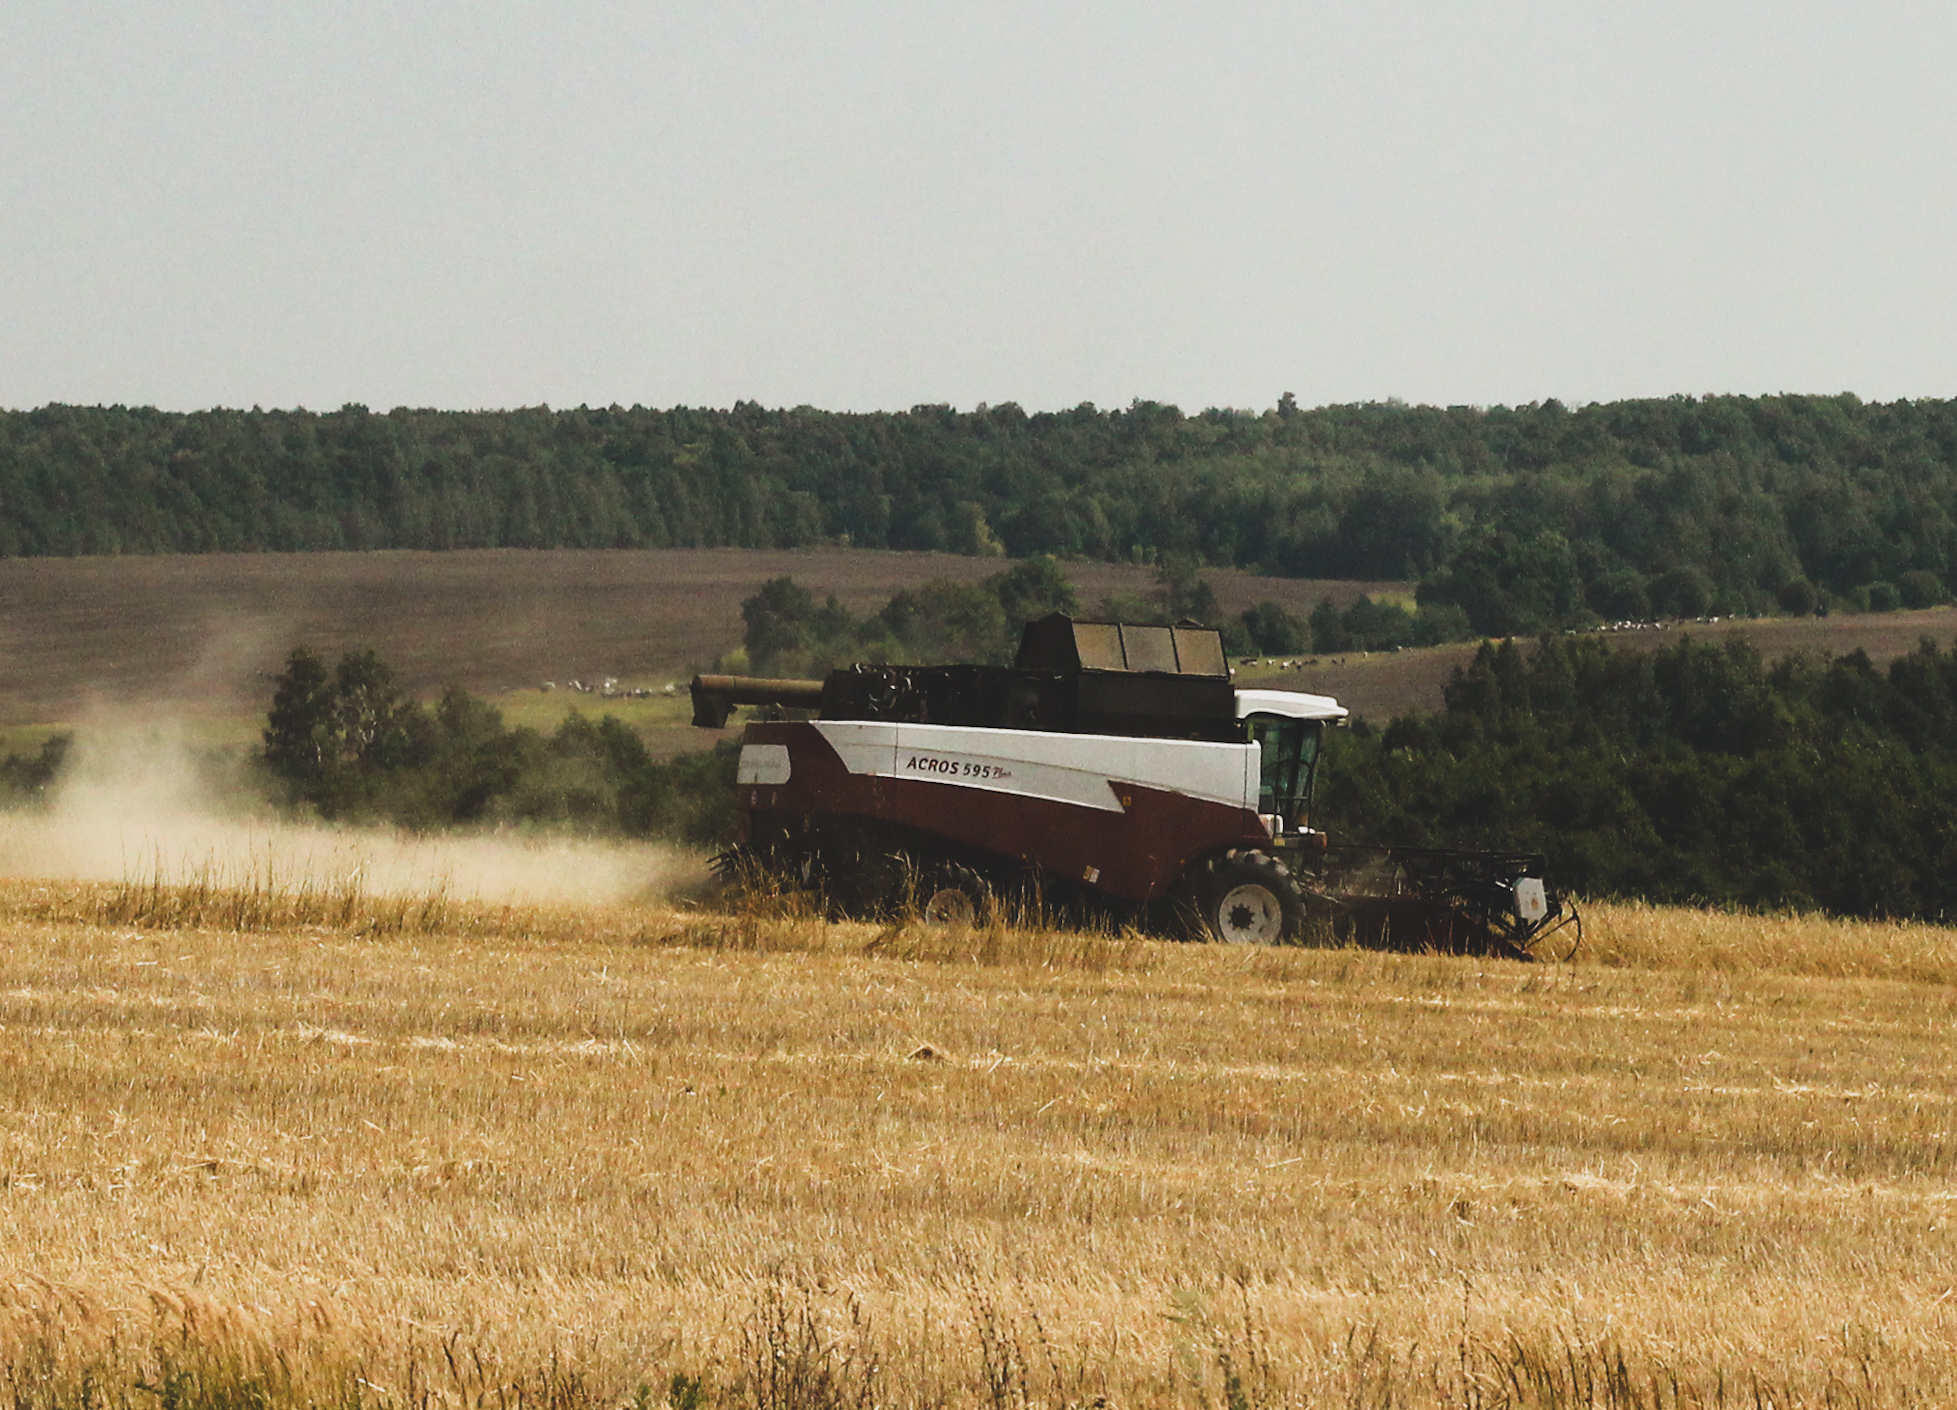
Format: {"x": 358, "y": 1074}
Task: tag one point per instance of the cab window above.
{"x": 1290, "y": 751}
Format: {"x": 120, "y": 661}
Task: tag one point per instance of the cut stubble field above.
{"x": 446, "y": 1153}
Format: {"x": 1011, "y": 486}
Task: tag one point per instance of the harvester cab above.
{"x": 1287, "y": 727}
{"x": 1111, "y": 763}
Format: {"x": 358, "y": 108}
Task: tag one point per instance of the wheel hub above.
{"x": 1250, "y": 915}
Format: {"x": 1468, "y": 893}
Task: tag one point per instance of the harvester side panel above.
{"x": 1073, "y": 805}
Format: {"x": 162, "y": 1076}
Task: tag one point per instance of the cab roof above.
{"x": 1292, "y": 704}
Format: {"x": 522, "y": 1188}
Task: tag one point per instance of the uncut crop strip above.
{"x": 472, "y": 1161}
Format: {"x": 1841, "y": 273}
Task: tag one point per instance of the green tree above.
{"x": 1275, "y": 630}
{"x": 302, "y": 731}
{"x": 1510, "y": 585}
{"x": 1034, "y": 588}
{"x": 1920, "y": 588}
{"x": 778, "y": 619}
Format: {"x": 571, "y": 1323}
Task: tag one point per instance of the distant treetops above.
{"x": 1520, "y": 519}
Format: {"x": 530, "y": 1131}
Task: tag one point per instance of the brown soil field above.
{"x": 1385, "y": 684}
{"x": 203, "y": 634}
{"x": 267, "y": 1151}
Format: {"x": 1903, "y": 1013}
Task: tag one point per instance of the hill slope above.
{"x": 204, "y": 633}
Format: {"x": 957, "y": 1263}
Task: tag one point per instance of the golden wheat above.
{"x": 461, "y": 1154}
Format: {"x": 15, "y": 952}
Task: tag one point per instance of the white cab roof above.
{"x": 1292, "y": 704}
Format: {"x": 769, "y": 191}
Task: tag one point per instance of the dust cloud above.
{"x": 139, "y": 801}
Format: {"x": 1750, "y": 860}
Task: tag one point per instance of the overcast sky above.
{"x": 868, "y": 206}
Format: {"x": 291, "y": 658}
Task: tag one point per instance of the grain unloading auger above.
{"x": 1110, "y": 763}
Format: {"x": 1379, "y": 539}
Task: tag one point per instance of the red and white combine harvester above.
{"x": 1111, "y": 763}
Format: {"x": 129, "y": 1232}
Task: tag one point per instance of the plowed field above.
{"x": 204, "y": 633}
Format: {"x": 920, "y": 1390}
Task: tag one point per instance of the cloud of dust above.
{"x": 138, "y": 802}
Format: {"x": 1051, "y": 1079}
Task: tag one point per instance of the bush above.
{"x": 1681, "y": 592}
{"x": 1368, "y": 625}
{"x": 1884, "y": 597}
{"x": 1799, "y": 598}
{"x": 25, "y": 777}
{"x": 789, "y": 633}
{"x": 1619, "y": 597}
{"x": 1274, "y": 630}
{"x": 346, "y": 744}
{"x": 1920, "y": 588}
{"x": 1511, "y": 585}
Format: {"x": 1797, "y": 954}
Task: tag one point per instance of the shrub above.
{"x": 347, "y": 744}
{"x": 1799, "y": 598}
{"x": 1275, "y": 630}
{"x": 1619, "y": 597}
{"x": 1681, "y": 592}
{"x": 1920, "y": 588}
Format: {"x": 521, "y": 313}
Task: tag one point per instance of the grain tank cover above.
{"x": 1107, "y": 678}
{"x": 1059, "y": 643}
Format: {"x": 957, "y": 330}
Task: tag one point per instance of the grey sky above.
{"x": 867, "y": 206}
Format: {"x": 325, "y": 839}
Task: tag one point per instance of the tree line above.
{"x": 1523, "y": 519}
{"x": 1697, "y": 774}
{"x": 788, "y": 632}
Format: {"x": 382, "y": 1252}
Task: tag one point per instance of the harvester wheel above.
{"x": 1248, "y": 898}
{"x": 952, "y": 896}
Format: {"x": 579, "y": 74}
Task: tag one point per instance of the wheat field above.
{"x": 269, "y": 1151}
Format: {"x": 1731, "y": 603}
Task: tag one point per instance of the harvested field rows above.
{"x": 463, "y": 1154}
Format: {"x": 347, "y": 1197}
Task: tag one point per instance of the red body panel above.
{"x": 1135, "y": 853}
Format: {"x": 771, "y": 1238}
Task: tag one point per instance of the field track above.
{"x": 543, "y": 1157}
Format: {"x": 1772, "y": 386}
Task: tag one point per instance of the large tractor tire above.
{"x": 1245, "y": 897}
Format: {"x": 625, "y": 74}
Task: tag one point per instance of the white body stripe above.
{"x": 1083, "y": 769}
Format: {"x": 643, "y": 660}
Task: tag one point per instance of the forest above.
{"x": 1522, "y": 519}
{"x": 1696, "y": 774}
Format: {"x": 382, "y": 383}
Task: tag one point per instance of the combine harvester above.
{"x": 1111, "y": 764}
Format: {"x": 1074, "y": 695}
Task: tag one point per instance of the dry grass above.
{"x": 473, "y": 1155}
{"x": 1632, "y": 935}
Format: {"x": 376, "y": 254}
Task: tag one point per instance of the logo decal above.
{"x": 939, "y": 767}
